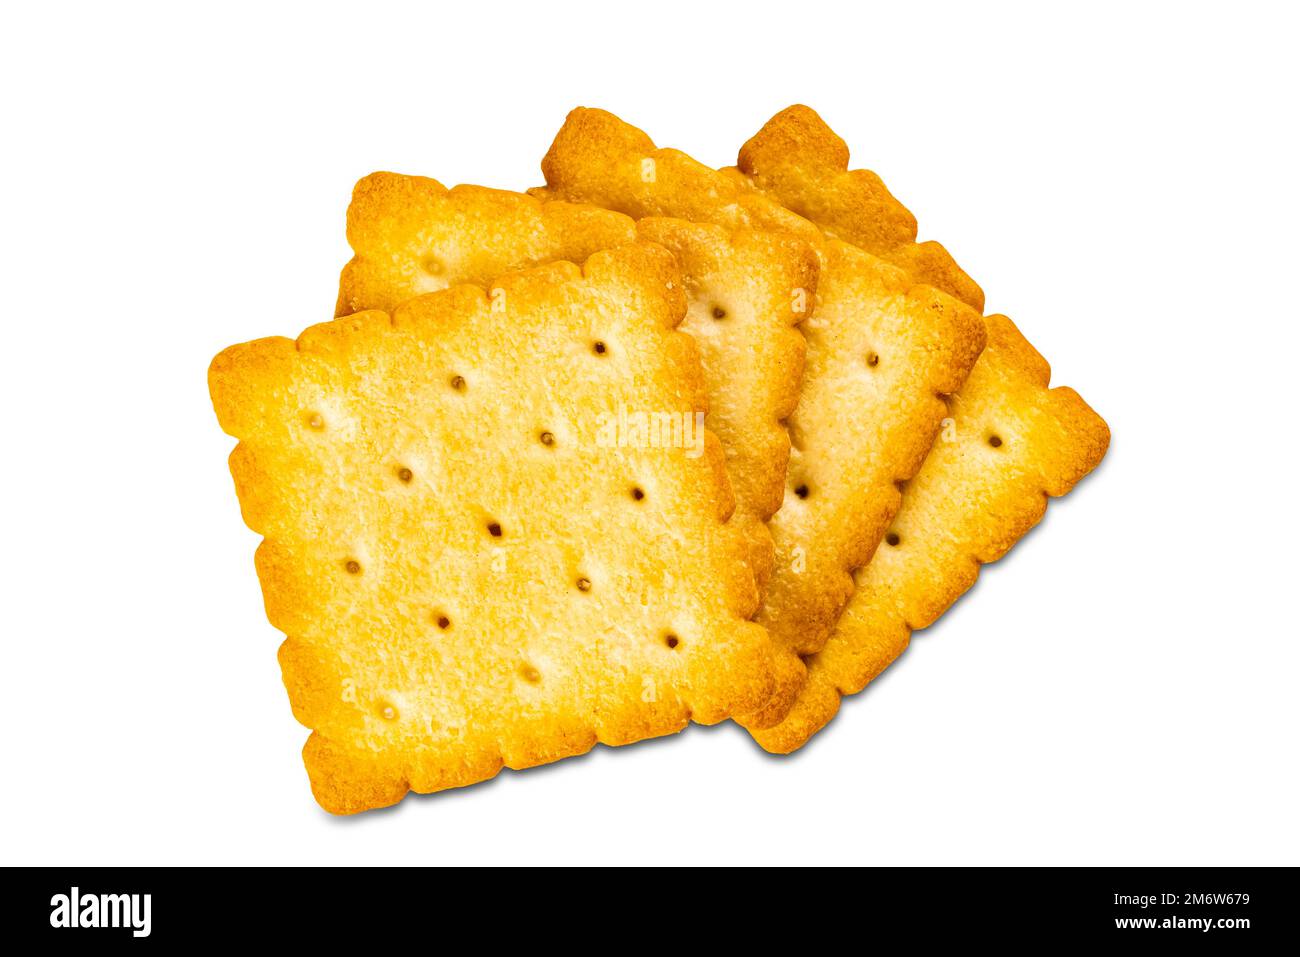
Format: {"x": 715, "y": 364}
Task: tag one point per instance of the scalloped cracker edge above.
{"x": 745, "y": 290}
{"x": 797, "y": 158}
{"x": 1011, "y": 444}
{"x": 470, "y": 575}
{"x": 883, "y": 351}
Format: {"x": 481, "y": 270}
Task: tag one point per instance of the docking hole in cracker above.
{"x": 509, "y": 604}
{"x": 746, "y": 290}
{"x": 1011, "y": 441}
{"x": 860, "y": 428}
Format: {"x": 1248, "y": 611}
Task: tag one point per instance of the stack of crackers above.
{"x": 654, "y": 443}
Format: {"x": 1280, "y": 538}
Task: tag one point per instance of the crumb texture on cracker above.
{"x": 883, "y": 350}
{"x": 1010, "y": 444}
{"x": 745, "y": 290}
{"x": 411, "y": 235}
{"x": 469, "y": 573}
{"x": 800, "y": 161}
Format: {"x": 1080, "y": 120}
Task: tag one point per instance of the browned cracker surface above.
{"x": 469, "y": 573}
{"x": 809, "y": 175}
{"x": 883, "y": 351}
{"x": 745, "y": 291}
{"x": 1011, "y": 444}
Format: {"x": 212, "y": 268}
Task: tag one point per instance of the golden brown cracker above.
{"x": 800, "y": 161}
{"x": 746, "y": 290}
{"x": 411, "y": 235}
{"x": 472, "y": 567}
{"x": 596, "y": 158}
{"x": 1011, "y": 443}
{"x": 882, "y": 352}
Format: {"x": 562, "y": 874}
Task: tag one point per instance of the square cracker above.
{"x": 789, "y": 161}
{"x": 470, "y": 573}
{"x": 883, "y": 351}
{"x": 745, "y": 290}
{"x": 1011, "y": 444}
{"x": 411, "y": 235}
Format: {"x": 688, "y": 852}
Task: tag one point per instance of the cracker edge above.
{"x": 366, "y": 283}
{"x": 798, "y": 132}
{"x": 602, "y": 228}
{"x": 866, "y": 214}
{"x": 588, "y": 132}
{"x": 964, "y": 342}
{"x": 800, "y": 267}
{"x": 328, "y": 758}
{"x": 1089, "y": 434}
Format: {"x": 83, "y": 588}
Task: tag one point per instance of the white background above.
{"x": 1122, "y": 182}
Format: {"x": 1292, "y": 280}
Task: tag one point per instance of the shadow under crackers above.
{"x": 508, "y": 774}
{"x": 850, "y": 703}
{"x": 992, "y": 569}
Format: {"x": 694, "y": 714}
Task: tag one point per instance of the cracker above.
{"x": 470, "y": 571}
{"x": 882, "y": 353}
{"x": 1011, "y": 444}
{"x": 806, "y": 170}
{"x": 745, "y": 293}
{"x": 411, "y": 235}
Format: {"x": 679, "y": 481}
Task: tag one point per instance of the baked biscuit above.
{"x": 1011, "y": 443}
{"x": 745, "y": 293}
{"x": 474, "y": 566}
{"x": 883, "y": 351}
{"x": 795, "y": 161}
